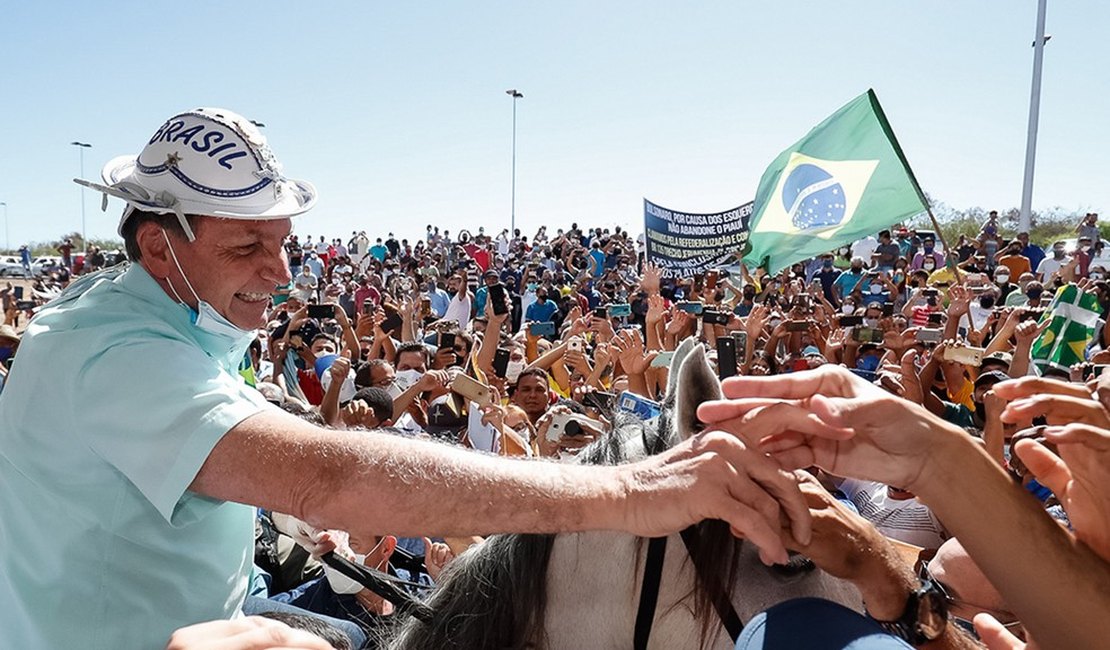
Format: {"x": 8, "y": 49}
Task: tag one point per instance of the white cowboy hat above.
{"x": 208, "y": 161}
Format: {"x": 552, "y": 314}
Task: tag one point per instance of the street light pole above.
{"x": 81, "y": 146}
{"x": 7, "y": 244}
{"x": 515, "y": 94}
{"x": 1024, "y": 219}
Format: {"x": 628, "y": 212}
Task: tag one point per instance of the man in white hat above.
{"x": 121, "y": 500}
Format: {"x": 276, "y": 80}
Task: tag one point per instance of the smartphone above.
{"x": 495, "y": 296}
{"x": 367, "y": 307}
{"x": 601, "y": 312}
{"x": 928, "y": 335}
{"x": 867, "y": 335}
{"x": 638, "y": 405}
{"x": 726, "y": 357}
{"x": 391, "y": 322}
{"x": 936, "y": 319}
{"x": 500, "y": 362}
{"x": 599, "y": 400}
{"x": 321, "y": 312}
{"x": 542, "y": 329}
{"x": 1097, "y": 369}
{"x": 888, "y": 309}
{"x": 446, "y": 340}
{"x": 741, "y": 339}
{"x": 965, "y": 355}
{"x": 620, "y": 310}
{"x": 1030, "y": 314}
{"x": 19, "y": 293}
{"x": 851, "y": 321}
{"x": 663, "y": 359}
{"x": 472, "y": 389}
{"x": 692, "y": 307}
{"x": 564, "y": 424}
{"x": 715, "y": 318}
{"x": 24, "y": 305}
{"x": 797, "y": 326}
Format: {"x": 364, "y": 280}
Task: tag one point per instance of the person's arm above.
{"x": 373, "y": 482}
{"x": 549, "y": 358}
{"x": 1038, "y": 568}
{"x": 1026, "y": 333}
{"x": 329, "y": 408}
{"x": 350, "y": 341}
{"x": 930, "y": 401}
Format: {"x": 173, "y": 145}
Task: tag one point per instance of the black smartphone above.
{"x": 368, "y": 306}
{"x": 24, "y": 305}
{"x": 19, "y": 293}
{"x": 797, "y": 326}
{"x": 496, "y": 297}
{"x": 715, "y": 318}
{"x": 936, "y": 319}
{"x": 599, "y": 400}
{"x": 500, "y": 362}
{"x": 888, "y": 309}
{"x": 601, "y": 312}
{"x": 726, "y": 357}
{"x": 321, "y": 312}
{"x": 446, "y": 340}
{"x": 851, "y": 321}
{"x": 1030, "y": 314}
{"x": 392, "y": 322}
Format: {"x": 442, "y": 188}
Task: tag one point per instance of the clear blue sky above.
{"x": 397, "y": 111}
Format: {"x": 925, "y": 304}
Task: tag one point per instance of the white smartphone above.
{"x": 472, "y": 389}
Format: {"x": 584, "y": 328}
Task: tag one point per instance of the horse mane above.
{"x": 495, "y": 595}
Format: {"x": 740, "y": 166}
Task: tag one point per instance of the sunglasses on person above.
{"x": 1007, "y": 619}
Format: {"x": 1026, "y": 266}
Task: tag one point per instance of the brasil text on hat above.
{"x": 207, "y": 161}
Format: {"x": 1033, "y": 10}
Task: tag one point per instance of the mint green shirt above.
{"x": 108, "y": 414}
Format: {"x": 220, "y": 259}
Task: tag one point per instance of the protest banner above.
{"x": 685, "y": 244}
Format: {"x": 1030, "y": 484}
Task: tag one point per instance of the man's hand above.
{"x": 996, "y": 637}
{"x": 650, "y": 281}
{"x": 959, "y": 301}
{"x": 1078, "y": 476}
{"x": 1059, "y": 402}
{"x": 629, "y": 347}
{"x": 341, "y": 367}
{"x": 437, "y": 556}
{"x": 250, "y": 633}
{"x": 831, "y": 418}
{"x": 656, "y": 309}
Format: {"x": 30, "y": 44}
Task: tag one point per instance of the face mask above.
{"x": 340, "y": 583}
{"x": 848, "y": 309}
{"x": 844, "y": 251}
{"x": 402, "y": 381}
{"x": 928, "y": 250}
{"x": 1096, "y": 276}
{"x": 1033, "y": 294}
{"x": 513, "y": 370}
{"x": 206, "y": 317}
{"x": 827, "y": 264}
{"x": 929, "y": 266}
{"x": 986, "y": 302}
{"x": 1002, "y": 279}
{"x": 1058, "y": 253}
{"x": 876, "y": 289}
{"x": 871, "y": 322}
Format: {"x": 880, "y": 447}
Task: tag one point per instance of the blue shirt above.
{"x": 104, "y": 546}
{"x": 440, "y": 300}
{"x": 848, "y": 280}
{"x": 541, "y": 312}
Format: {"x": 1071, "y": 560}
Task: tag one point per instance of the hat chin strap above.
{"x": 130, "y": 192}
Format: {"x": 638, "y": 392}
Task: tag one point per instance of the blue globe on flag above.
{"x": 813, "y": 198}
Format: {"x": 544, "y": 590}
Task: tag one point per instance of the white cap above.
{"x": 208, "y": 161}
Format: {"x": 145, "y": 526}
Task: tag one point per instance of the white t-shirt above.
{"x": 1048, "y": 266}
{"x": 906, "y": 520}
{"x": 458, "y": 309}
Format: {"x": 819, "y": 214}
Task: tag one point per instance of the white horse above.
{"x": 583, "y": 590}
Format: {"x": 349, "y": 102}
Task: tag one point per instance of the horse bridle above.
{"x": 649, "y": 592}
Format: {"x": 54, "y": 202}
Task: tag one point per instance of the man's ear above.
{"x": 389, "y": 543}
{"x": 156, "y": 258}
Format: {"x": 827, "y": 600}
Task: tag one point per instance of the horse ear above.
{"x": 696, "y": 383}
{"x": 685, "y": 347}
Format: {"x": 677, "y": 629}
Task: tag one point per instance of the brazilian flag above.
{"x": 1074, "y": 316}
{"x": 845, "y": 180}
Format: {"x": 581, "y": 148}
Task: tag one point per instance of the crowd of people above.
{"x": 527, "y": 346}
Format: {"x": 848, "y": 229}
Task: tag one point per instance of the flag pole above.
{"x": 936, "y": 226}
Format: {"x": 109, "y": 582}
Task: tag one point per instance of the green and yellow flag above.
{"x": 845, "y": 180}
{"x": 1074, "y": 316}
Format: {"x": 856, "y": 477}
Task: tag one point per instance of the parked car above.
{"x": 45, "y": 264}
{"x": 1101, "y": 259}
{"x": 11, "y": 266}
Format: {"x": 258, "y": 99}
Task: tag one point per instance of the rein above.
{"x": 382, "y": 584}
{"x": 649, "y": 592}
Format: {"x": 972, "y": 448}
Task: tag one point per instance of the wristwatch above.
{"x": 925, "y": 617}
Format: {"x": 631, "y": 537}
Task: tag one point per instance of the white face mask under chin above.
{"x": 340, "y": 583}
{"x": 206, "y": 318}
